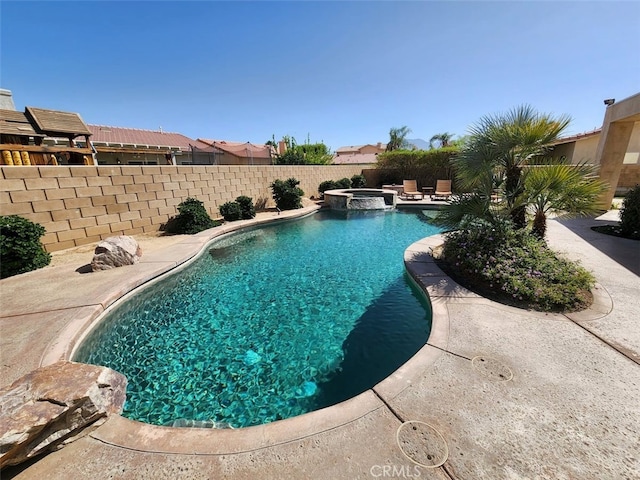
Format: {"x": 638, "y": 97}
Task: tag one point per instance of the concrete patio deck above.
{"x": 508, "y": 393}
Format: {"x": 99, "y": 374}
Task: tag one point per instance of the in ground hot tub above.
{"x": 361, "y": 199}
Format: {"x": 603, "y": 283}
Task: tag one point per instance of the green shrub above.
{"x": 287, "y": 194}
{"x": 630, "y": 214}
{"x": 512, "y": 266}
{"x": 424, "y": 166}
{"x": 20, "y": 247}
{"x": 358, "y": 181}
{"x": 192, "y": 218}
{"x": 231, "y": 211}
{"x": 246, "y": 207}
{"x": 327, "y": 185}
{"x": 344, "y": 183}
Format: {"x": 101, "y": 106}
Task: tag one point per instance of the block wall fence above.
{"x": 83, "y": 204}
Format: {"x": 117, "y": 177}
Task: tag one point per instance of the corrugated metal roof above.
{"x": 56, "y": 122}
{"x": 133, "y": 136}
{"x": 239, "y": 149}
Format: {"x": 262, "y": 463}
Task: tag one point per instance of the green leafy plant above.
{"x": 305, "y": 154}
{"x": 287, "y": 194}
{"x": 192, "y": 218}
{"x": 515, "y": 267}
{"x": 630, "y": 214}
{"x": 240, "y": 209}
{"x": 327, "y": 185}
{"x": 20, "y": 247}
{"x": 231, "y": 211}
{"x": 247, "y": 210}
{"x": 344, "y": 183}
{"x": 358, "y": 181}
{"x": 425, "y": 166}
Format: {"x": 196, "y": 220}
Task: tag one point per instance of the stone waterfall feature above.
{"x": 361, "y": 199}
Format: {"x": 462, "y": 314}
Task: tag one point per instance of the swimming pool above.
{"x": 270, "y": 323}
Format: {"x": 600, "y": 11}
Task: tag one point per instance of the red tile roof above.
{"x": 244, "y": 150}
{"x": 578, "y": 136}
{"x": 354, "y": 159}
{"x": 143, "y": 138}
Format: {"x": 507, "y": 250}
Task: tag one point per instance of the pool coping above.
{"x": 419, "y": 263}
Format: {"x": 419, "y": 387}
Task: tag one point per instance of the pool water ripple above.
{"x": 270, "y": 323}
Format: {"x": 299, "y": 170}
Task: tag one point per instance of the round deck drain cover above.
{"x": 422, "y": 444}
{"x": 490, "y": 367}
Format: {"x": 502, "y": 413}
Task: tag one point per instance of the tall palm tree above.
{"x": 508, "y": 142}
{"x": 561, "y": 188}
{"x": 397, "y": 138}
{"x": 443, "y": 139}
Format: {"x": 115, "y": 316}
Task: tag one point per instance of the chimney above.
{"x": 6, "y": 100}
{"x": 282, "y": 147}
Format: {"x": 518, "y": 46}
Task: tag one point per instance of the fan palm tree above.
{"x": 561, "y": 188}
{"x": 443, "y": 139}
{"x": 507, "y": 143}
{"x": 397, "y": 138}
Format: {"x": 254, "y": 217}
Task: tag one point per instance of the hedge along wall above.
{"x": 84, "y": 204}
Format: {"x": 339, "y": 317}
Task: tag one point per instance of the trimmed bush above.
{"x": 231, "y": 211}
{"x": 240, "y": 209}
{"x": 630, "y": 214}
{"x": 358, "y": 181}
{"x": 327, "y": 185}
{"x": 287, "y": 194}
{"x": 20, "y": 247}
{"x": 514, "y": 267}
{"x": 343, "y": 183}
{"x": 247, "y": 209}
{"x": 192, "y": 218}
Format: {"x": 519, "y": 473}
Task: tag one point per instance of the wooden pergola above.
{"x": 22, "y": 137}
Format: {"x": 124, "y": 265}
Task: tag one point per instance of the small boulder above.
{"x": 116, "y": 252}
{"x": 54, "y": 403}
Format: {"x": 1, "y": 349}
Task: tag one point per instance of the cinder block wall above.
{"x": 84, "y": 204}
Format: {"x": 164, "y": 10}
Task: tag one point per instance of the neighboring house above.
{"x": 578, "y": 148}
{"x": 132, "y": 146}
{"x": 355, "y": 159}
{"x": 583, "y": 148}
{"x": 358, "y": 154}
{"x": 237, "y": 153}
{"x": 24, "y": 137}
{"x": 361, "y": 149}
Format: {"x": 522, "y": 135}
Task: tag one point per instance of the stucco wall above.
{"x": 79, "y": 205}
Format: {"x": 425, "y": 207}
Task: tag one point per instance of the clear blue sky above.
{"x": 341, "y": 72}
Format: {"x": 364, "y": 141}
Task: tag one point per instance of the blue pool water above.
{"x": 270, "y": 323}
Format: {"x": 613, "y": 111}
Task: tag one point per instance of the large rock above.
{"x": 51, "y": 404}
{"x": 115, "y": 252}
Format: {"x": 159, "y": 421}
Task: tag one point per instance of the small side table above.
{"x": 427, "y": 191}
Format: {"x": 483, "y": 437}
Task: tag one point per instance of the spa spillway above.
{"x": 361, "y": 199}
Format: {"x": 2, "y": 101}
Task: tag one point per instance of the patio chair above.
{"x": 410, "y": 189}
{"x": 443, "y": 190}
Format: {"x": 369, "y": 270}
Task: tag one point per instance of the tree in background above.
{"x": 397, "y": 138}
{"x": 443, "y": 139}
{"x": 305, "y": 154}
